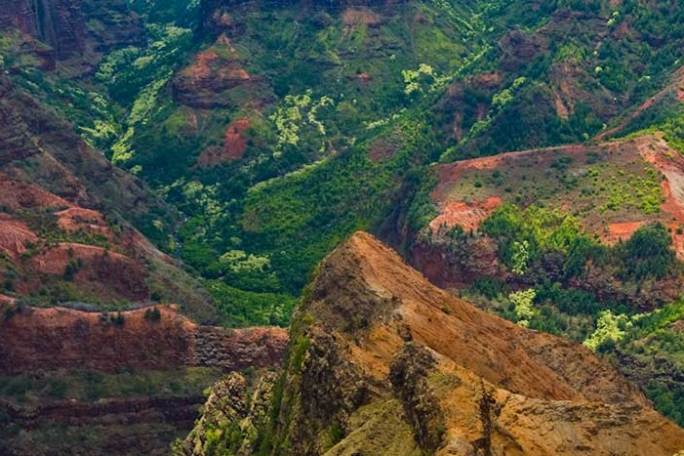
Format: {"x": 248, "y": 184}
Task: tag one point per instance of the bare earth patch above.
{"x": 468, "y": 216}
{"x": 77, "y": 219}
{"x": 360, "y": 16}
{"x": 14, "y": 236}
{"x": 20, "y": 195}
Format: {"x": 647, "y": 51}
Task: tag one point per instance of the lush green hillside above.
{"x": 335, "y": 103}
{"x": 276, "y": 129}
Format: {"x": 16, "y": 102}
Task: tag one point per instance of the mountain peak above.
{"x": 364, "y": 287}
{"x": 464, "y": 378}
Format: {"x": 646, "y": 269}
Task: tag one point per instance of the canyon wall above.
{"x": 58, "y": 23}
{"x": 58, "y": 338}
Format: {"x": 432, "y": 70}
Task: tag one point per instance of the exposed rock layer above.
{"x": 455, "y": 380}
{"x": 58, "y": 338}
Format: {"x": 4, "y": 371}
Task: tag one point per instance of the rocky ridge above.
{"x": 456, "y": 380}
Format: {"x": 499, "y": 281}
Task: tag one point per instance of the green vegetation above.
{"x": 610, "y": 329}
{"x": 333, "y": 91}
{"x": 569, "y": 270}
{"x": 522, "y": 302}
{"x": 244, "y": 308}
{"x": 654, "y": 345}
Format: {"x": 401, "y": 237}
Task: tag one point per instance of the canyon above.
{"x": 181, "y": 181}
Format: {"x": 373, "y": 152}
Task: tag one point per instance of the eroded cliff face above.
{"x": 67, "y": 215}
{"x": 235, "y": 405}
{"x": 58, "y": 23}
{"x": 91, "y": 351}
{"x": 382, "y": 362}
{"x": 59, "y": 338}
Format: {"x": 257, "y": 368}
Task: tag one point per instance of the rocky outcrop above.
{"x": 234, "y": 408}
{"x": 150, "y": 341}
{"x": 63, "y": 338}
{"x": 105, "y": 411}
{"x": 455, "y": 380}
{"x": 211, "y": 80}
{"x": 111, "y": 25}
{"x": 59, "y": 338}
{"x": 234, "y": 349}
{"x": 234, "y": 145}
{"x": 408, "y": 373}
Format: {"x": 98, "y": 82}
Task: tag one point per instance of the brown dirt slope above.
{"x": 378, "y": 334}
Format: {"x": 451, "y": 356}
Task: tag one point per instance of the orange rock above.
{"x": 468, "y": 216}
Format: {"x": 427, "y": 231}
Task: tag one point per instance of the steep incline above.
{"x": 66, "y": 216}
{"x": 382, "y": 362}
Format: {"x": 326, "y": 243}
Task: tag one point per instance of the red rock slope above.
{"x": 59, "y": 338}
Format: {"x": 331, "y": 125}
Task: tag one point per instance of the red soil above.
{"x": 469, "y": 215}
{"x": 20, "y": 195}
{"x": 63, "y": 338}
{"x": 55, "y": 260}
{"x": 209, "y": 65}
{"x": 106, "y": 271}
{"x": 449, "y": 173}
{"x": 621, "y": 231}
{"x": 234, "y": 145}
{"x": 201, "y": 67}
{"x": 466, "y": 215}
{"x": 671, "y": 164}
{"x": 652, "y": 149}
{"x": 6, "y": 300}
{"x": 79, "y": 219}
{"x": 14, "y": 236}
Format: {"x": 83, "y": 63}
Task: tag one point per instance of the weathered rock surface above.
{"x": 60, "y": 188}
{"x": 58, "y": 23}
{"x": 40, "y": 342}
{"x": 59, "y": 338}
{"x": 72, "y": 28}
{"x": 212, "y": 80}
{"x": 236, "y": 409}
{"x": 378, "y": 353}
